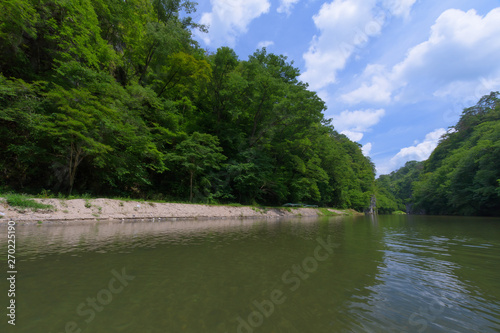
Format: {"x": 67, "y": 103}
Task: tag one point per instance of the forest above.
{"x": 462, "y": 175}
{"x": 115, "y": 98}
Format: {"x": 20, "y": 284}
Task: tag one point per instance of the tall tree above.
{"x": 196, "y": 154}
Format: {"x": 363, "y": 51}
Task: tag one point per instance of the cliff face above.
{"x": 373, "y": 206}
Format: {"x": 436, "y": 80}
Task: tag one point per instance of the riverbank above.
{"x": 113, "y": 209}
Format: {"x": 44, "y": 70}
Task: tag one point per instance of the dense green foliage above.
{"x": 462, "y": 175}
{"x": 113, "y": 97}
{"x": 394, "y": 191}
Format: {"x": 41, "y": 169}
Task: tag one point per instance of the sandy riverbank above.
{"x": 110, "y": 209}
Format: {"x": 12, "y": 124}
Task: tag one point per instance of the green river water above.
{"x": 337, "y": 274}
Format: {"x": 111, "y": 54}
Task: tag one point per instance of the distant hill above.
{"x": 462, "y": 175}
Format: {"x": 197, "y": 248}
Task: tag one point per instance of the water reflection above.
{"x": 384, "y": 274}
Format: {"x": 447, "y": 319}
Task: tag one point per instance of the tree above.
{"x": 460, "y": 177}
{"x": 395, "y": 190}
{"x": 18, "y": 21}
{"x": 196, "y": 154}
{"x": 19, "y": 134}
{"x": 115, "y": 97}
{"x": 73, "y": 127}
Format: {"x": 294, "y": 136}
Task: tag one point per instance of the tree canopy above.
{"x": 462, "y": 175}
{"x": 112, "y": 97}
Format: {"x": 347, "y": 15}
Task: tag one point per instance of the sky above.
{"x": 395, "y": 74}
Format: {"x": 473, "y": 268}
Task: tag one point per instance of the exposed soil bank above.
{"x": 110, "y": 209}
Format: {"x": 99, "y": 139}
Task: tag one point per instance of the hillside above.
{"x": 462, "y": 175}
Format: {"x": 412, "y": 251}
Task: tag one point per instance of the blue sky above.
{"x": 395, "y": 74}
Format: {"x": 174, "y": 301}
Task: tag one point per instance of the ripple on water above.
{"x": 387, "y": 275}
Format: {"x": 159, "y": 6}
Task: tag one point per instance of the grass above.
{"x": 236, "y": 204}
{"x": 326, "y": 212}
{"x": 352, "y": 212}
{"x": 259, "y": 209}
{"x": 345, "y": 212}
{"x": 24, "y": 202}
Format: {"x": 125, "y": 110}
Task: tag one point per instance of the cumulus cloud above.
{"x": 341, "y": 24}
{"x": 286, "y": 6}
{"x": 460, "y": 58}
{"x": 230, "y": 18}
{"x": 353, "y": 136}
{"x": 420, "y": 151}
{"x": 354, "y": 124}
{"x": 377, "y": 91}
{"x": 265, "y": 43}
{"x": 345, "y": 25}
{"x": 366, "y": 149}
{"x": 461, "y": 47}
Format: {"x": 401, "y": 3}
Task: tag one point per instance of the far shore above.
{"x": 65, "y": 210}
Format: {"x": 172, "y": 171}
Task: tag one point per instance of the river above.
{"x": 330, "y": 274}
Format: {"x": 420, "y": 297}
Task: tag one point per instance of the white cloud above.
{"x": 480, "y": 87}
{"x": 353, "y": 136}
{"x": 399, "y": 7}
{"x": 265, "y": 43}
{"x": 353, "y": 124}
{"x": 420, "y": 151}
{"x": 286, "y": 6}
{"x": 461, "y": 47}
{"x": 345, "y": 25}
{"x": 459, "y": 59}
{"x": 230, "y": 18}
{"x": 378, "y": 91}
{"x": 359, "y": 120}
{"x": 341, "y": 24}
{"x": 366, "y": 149}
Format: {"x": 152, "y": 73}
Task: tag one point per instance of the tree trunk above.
{"x": 76, "y": 156}
{"x": 191, "y": 187}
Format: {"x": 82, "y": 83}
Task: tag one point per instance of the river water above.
{"x": 336, "y": 274}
